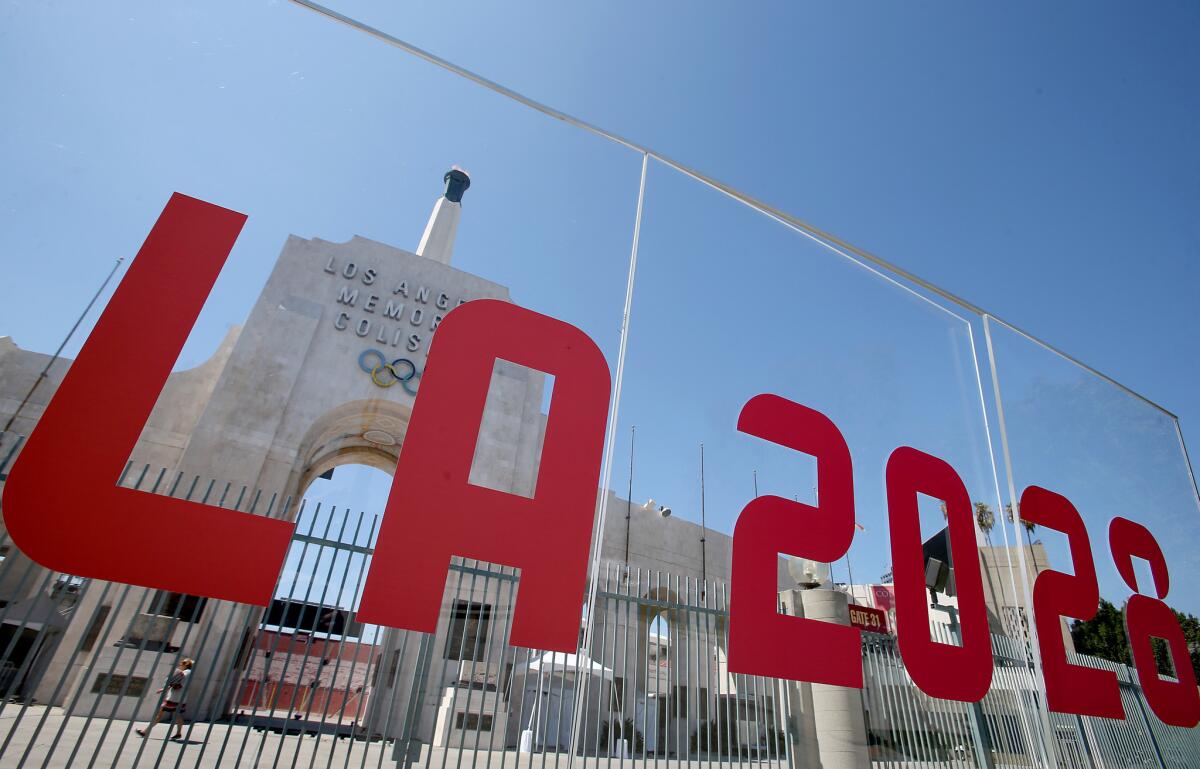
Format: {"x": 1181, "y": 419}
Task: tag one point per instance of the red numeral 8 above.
{"x": 1175, "y": 702}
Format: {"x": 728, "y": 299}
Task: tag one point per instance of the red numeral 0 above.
{"x": 940, "y": 670}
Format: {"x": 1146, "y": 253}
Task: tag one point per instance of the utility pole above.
{"x": 703, "y": 525}
{"x": 629, "y": 496}
{"x": 45, "y": 371}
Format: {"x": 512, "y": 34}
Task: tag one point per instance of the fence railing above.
{"x": 82, "y": 663}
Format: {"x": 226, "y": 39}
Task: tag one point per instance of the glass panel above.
{"x": 292, "y": 396}
{"x": 729, "y": 304}
{"x": 1112, "y": 454}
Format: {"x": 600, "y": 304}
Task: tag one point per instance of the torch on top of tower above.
{"x": 438, "y": 241}
{"x": 457, "y": 181}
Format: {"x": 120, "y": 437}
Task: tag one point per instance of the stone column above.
{"x": 802, "y": 724}
{"x": 837, "y": 710}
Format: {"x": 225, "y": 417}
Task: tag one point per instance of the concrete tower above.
{"x": 438, "y": 241}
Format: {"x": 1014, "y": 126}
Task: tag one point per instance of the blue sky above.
{"x": 1038, "y": 161}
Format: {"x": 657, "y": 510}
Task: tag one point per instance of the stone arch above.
{"x": 648, "y": 612}
{"x": 366, "y": 432}
{"x": 655, "y": 692}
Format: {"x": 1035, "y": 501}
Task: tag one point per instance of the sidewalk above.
{"x": 75, "y": 742}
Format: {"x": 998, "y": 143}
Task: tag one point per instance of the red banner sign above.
{"x": 870, "y": 620}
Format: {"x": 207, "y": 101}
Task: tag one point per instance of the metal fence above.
{"x": 1007, "y": 728}
{"x": 83, "y": 665}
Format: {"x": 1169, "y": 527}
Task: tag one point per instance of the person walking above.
{"x": 172, "y": 704}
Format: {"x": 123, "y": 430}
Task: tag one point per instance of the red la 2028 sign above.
{"x": 112, "y": 387}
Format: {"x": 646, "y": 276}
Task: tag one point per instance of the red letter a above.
{"x": 434, "y": 513}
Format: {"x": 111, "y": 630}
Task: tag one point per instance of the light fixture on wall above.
{"x": 650, "y": 506}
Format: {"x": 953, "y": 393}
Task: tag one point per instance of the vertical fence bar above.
{"x": 439, "y": 679}
{"x": 287, "y": 602}
{"x": 456, "y": 681}
{"x": 562, "y": 691}
{"x": 711, "y": 671}
{"x": 502, "y": 645}
{"x": 401, "y": 654}
{"x": 641, "y": 663}
{"x": 905, "y": 706}
{"x": 357, "y": 695}
{"x": 691, "y": 677}
{"x": 31, "y": 602}
{"x": 731, "y": 680}
{"x": 1150, "y": 738}
{"x": 629, "y": 693}
{"x": 107, "y": 678}
{"x": 310, "y": 636}
{"x": 291, "y": 644}
{"x": 658, "y": 702}
{"x": 12, "y": 732}
{"x": 874, "y": 699}
{"x": 196, "y": 610}
{"x": 84, "y": 678}
{"x": 493, "y": 603}
{"x": 12, "y": 452}
{"x": 336, "y": 602}
{"x": 108, "y": 722}
{"x": 675, "y": 658}
{"x": 451, "y": 726}
{"x": 192, "y": 622}
{"x": 233, "y": 677}
{"x": 923, "y": 710}
{"x": 596, "y": 615}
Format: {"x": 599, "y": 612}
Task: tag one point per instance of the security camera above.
{"x": 664, "y": 511}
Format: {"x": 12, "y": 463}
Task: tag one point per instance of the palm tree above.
{"x": 1029, "y": 527}
{"x": 986, "y": 520}
{"x": 984, "y": 517}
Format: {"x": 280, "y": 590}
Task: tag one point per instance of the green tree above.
{"x": 1104, "y": 636}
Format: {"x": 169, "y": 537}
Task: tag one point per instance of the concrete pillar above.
{"x": 837, "y": 710}
{"x": 802, "y": 724}
{"x": 437, "y": 243}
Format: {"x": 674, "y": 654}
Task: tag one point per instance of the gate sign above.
{"x": 868, "y": 619}
{"x": 118, "y": 536}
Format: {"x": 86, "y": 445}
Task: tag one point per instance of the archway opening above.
{"x": 310, "y": 659}
{"x": 659, "y": 681}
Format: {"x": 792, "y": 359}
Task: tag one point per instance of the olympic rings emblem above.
{"x": 385, "y": 374}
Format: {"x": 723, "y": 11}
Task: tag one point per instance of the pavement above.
{"x": 44, "y": 737}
